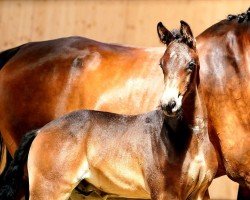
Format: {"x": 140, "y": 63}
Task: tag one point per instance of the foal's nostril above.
{"x": 170, "y": 106}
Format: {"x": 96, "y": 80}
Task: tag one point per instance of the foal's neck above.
{"x": 191, "y": 125}
{"x": 194, "y": 112}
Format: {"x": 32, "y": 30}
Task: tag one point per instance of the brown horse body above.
{"x": 48, "y": 79}
{"x": 225, "y": 82}
{"x": 145, "y": 156}
{"x": 124, "y": 156}
{"x": 68, "y": 85}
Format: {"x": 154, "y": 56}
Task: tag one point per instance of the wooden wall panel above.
{"x": 116, "y": 21}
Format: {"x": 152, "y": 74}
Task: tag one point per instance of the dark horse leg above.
{"x": 243, "y": 193}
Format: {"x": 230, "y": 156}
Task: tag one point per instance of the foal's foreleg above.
{"x": 164, "y": 196}
{"x": 158, "y": 191}
{"x": 206, "y": 195}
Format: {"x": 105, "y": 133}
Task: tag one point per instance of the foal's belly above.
{"x": 118, "y": 174}
{"x": 127, "y": 184}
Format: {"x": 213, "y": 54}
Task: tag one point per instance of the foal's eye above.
{"x": 191, "y": 65}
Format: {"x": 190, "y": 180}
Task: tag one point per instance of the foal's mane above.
{"x": 180, "y": 38}
{"x": 177, "y": 34}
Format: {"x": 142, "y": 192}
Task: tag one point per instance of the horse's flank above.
{"x": 64, "y": 79}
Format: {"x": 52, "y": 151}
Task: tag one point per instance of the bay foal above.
{"x": 163, "y": 154}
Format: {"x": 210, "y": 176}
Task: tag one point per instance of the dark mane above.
{"x": 177, "y": 34}
{"x": 179, "y": 37}
{"x": 221, "y": 29}
{"x": 243, "y": 17}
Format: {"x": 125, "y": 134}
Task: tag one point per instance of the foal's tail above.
{"x": 14, "y": 175}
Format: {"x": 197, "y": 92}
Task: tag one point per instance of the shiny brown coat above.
{"x": 45, "y": 80}
{"x": 151, "y": 155}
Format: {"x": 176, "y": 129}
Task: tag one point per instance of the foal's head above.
{"x": 180, "y": 66}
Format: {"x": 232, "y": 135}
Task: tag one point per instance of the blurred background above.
{"x": 129, "y": 22}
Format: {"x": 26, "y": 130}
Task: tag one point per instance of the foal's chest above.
{"x": 198, "y": 176}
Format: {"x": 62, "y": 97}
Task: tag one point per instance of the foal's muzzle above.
{"x": 170, "y": 108}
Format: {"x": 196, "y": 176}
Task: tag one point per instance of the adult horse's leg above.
{"x": 243, "y": 193}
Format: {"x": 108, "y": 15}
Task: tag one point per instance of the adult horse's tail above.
{"x": 13, "y": 178}
{"x": 5, "y": 56}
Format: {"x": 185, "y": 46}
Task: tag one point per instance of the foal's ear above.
{"x": 187, "y": 34}
{"x": 164, "y": 34}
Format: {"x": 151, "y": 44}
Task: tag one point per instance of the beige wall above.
{"x": 117, "y": 21}
{"x": 121, "y": 21}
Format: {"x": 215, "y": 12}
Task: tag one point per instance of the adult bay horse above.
{"x": 157, "y": 155}
{"x": 44, "y": 80}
